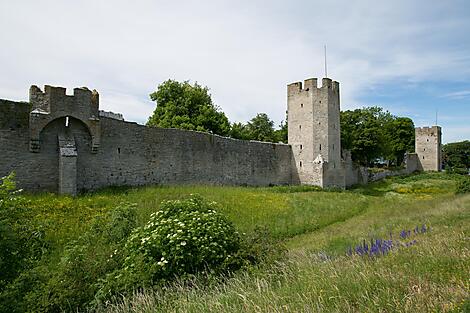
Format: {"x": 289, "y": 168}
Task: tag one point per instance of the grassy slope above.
{"x": 431, "y": 275}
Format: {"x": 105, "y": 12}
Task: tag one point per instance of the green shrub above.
{"x": 183, "y": 237}
{"x": 463, "y": 186}
{"x": 72, "y": 284}
{"x": 22, "y": 245}
{"x": 20, "y": 242}
{"x": 257, "y": 247}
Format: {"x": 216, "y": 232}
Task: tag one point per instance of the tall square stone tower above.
{"x": 314, "y": 132}
{"x": 428, "y": 146}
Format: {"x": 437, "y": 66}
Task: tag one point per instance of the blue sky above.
{"x": 410, "y": 57}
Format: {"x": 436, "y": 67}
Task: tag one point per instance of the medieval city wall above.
{"x": 132, "y": 154}
{"x": 62, "y": 143}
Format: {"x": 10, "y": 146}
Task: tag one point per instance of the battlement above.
{"x": 428, "y": 131}
{"x": 311, "y": 84}
{"x": 55, "y": 99}
{"x": 428, "y": 148}
{"x": 114, "y": 116}
{"x": 54, "y": 103}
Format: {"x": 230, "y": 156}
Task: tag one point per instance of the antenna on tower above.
{"x": 326, "y": 72}
{"x": 436, "y": 117}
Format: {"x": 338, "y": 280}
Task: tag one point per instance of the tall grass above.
{"x": 430, "y": 276}
{"x": 317, "y": 227}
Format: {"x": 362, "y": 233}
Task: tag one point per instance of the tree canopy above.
{"x": 260, "y": 128}
{"x": 187, "y": 106}
{"x": 456, "y": 156}
{"x": 372, "y": 133}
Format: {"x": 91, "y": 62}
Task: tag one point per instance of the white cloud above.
{"x": 245, "y": 51}
{"x": 458, "y": 94}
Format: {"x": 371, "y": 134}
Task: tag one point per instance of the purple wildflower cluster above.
{"x": 378, "y": 247}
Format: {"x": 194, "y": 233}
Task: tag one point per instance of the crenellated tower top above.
{"x": 54, "y": 103}
{"x": 314, "y": 131}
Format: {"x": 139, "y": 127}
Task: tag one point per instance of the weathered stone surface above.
{"x": 67, "y": 163}
{"x": 428, "y": 146}
{"x": 77, "y": 147}
{"x": 128, "y": 154}
{"x": 314, "y": 131}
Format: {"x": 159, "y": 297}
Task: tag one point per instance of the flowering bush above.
{"x": 183, "y": 237}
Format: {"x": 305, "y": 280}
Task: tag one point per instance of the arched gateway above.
{"x": 70, "y": 124}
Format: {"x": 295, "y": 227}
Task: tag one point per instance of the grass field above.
{"x": 317, "y": 227}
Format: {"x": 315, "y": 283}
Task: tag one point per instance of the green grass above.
{"x": 431, "y": 276}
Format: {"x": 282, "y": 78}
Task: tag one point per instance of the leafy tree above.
{"x": 363, "y": 134}
{"x": 239, "y": 131}
{"x": 456, "y": 156}
{"x": 261, "y": 128}
{"x": 372, "y": 133}
{"x": 186, "y": 106}
{"x": 401, "y": 137}
{"x": 281, "y": 133}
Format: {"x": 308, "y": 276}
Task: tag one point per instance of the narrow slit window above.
{"x": 300, "y": 127}
{"x": 320, "y": 146}
{"x": 301, "y": 105}
{"x": 300, "y": 163}
{"x": 66, "y": 121}
{"x": 300, "y": 147}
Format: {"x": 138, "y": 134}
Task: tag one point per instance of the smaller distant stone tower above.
{"x": 428, "y": 148}
{"x": 314, "y": 132}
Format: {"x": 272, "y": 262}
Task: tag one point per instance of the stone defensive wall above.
{"x": 56, "y": 141}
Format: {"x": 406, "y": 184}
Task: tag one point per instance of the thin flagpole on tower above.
{"x": 326, "y": 72}
{"x": 436, "y": 117}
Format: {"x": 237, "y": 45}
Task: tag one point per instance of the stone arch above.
{"x": 66, "y": 151}
{"x": 38, "y": 122}
{"x": 54, "y": 103}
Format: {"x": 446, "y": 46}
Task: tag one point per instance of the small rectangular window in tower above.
{"x": 300, "y": 163}
{"x": 423, "y": 157}
{"x": 300, "y": 147}
{"x": 300, "y": 127}
{"x": 66, "y": 121}
{"x": 301, "y": 105}
{"x": 320, "y": 146}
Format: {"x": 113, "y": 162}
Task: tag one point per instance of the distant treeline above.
{"x": 372, "y": 134}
